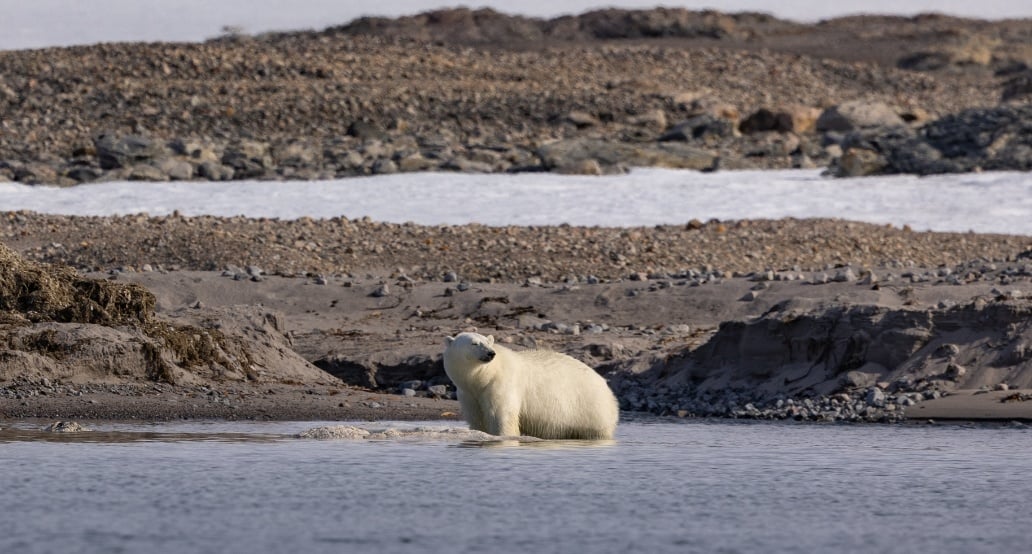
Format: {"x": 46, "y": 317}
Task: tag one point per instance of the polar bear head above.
{"x": 469, "y": 348}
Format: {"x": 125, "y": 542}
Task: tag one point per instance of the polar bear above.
{"x": 535, "y": 393}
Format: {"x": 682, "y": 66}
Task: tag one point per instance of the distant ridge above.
{"x": 475, "y": 26}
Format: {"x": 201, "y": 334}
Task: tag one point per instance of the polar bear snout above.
{"x": 487, "y": 355}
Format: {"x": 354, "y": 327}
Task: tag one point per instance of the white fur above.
{"x": 536, "y": 393}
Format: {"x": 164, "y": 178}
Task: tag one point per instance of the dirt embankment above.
{"x": 861, "y": 338}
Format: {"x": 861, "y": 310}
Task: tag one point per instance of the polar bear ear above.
{"x": 448, "y": 340}
{"x": 490, "y": 340}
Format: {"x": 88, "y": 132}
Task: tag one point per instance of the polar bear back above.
{"x": 560, "y": 397}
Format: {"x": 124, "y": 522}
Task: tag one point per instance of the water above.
{"x": 660, "y": 487}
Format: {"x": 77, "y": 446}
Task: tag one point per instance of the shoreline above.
{"x": 958, "y": 407}
{"x": 236, "y": 402}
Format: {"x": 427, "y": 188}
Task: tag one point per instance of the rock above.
{"x": 176, "y": 169}
{"x": 35, "y": 174}
{"x": 195, "y": 150}
{"x": 655, "y": 119}
{"x": 797, "y": 119}
{"x": 759, "y": 121}
{"x": 415, "y": 162}
{"x": 384, "y": 166}
{"x": 248, "y": 158}
{"x": 845, "y": 276}
{"x": 858, "y": 114}
{"x": 991, "y": 139}
{"x": 82, "y": 173}
{"x": 581, "y": 167}
{"x": 860, "y": 162}
{"x": 1018, "y": 86}
{"x": 700, "y": 127}
{"x": 613, "y": 156}
{"x": 146, "y": 172}
{"x": 875, "y": 397}
{"x": 581, "y": 119}
{"x": 215, "y": 171}
{"x": 117, "y": 152}
{"x": 381, "y": 291}
{"x": 465, "y": 165}
{"x": 297, "y": 154}
{"x": 66, "y": 427}
{"x": 438, "y": 391}
{"x": 955, "y": 371}
{"x": 365, "y": 130}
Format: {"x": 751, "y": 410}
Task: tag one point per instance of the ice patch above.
{"x": 991, "y": 202}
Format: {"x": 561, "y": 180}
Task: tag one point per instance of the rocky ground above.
{"x": 478, "y": 91}
{"x": 169, "y": 317}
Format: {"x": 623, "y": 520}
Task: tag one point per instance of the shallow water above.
{"x": 660, "y": 487}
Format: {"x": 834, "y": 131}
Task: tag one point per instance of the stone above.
{"x": 700, "y": 127}
{"x": 613, "y": 156}
{"x": 381, "y": 291}
{"x": 296, "y": 154}
{"x": 438, "y": 391}
{"x": 146, "y": 172}
{"x": 35, "y": 174}
{"x": 115, "y": 152}
{"x": 581, "y": 119}
{"x": 176, "y": 169}
{"x": 858, "y": 114}
{"x": 466, "y": 165}
{"x": 955, "y": 371}
{"x": 797, "y": 119}
{"x": 366, "y": 130}
{"x": 196, "y": 151}
{"x": 415, "y": 162}
{"x": 860, "y": 162}
{"x": 384, "y": 166}
{"x": 845, "y": 276}
{"x": 248, "y": 158}
{"x": 655, "y": 119}
{"x": 215, "y": 171}
{"x": 83, "y": 173}
{"x": 65, "y": 427}
{"x": 1018, "y": 86}
{"x": 875, "y": 397}
{"x": 581, "y": 167}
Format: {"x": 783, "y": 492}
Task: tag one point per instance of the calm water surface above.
{"x": 660, "y": 487}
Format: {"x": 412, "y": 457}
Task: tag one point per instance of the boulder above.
{"x": 701, "y": 127}
{"x": 612, "y": 156}
{"x": 856, "y": 115}
{"x": 114, "y": 152}
{"x": 248, "y": 158}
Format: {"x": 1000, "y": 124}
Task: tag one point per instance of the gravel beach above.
{"x": 141, "y": 317}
